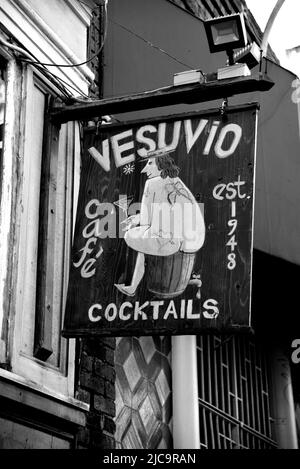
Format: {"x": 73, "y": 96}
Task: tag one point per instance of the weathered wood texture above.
{"x": 11, "y": 170}
{"x": 15, "y": 435}
{"x": 211, "y": 90}
{"x": 202, "y": 173}
{"x": 43, "y": 330}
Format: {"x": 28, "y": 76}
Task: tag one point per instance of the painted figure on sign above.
{"x": 170, "y": 220}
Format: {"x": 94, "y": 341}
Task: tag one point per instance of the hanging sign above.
{"x": 163, "y": 236}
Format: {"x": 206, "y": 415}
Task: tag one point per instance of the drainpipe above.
{"x": 284, "y": 416}
{"x": 271, "y": 20}
{"x": 185, "y": 393}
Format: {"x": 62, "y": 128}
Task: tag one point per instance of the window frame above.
{"x": 38, "y": 35}
{"x": 7, "y": 197}
{"x": 59, "y": 379}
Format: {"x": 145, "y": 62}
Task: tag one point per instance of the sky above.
{"x": 285, "y": 33}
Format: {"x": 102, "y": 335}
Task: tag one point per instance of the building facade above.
{"x": 148, "y": 392}
{"x": 42, "y": 405}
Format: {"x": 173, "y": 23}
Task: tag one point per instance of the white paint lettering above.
{"x": 88, "y": 207}
{"x": 91, "y": 229}
{"x": 211, "y": 137}
{"x": 124, "y": 317}
{"x": 296, "y": 93}
{"x": 190, "y": 314}
{"x": 190, "y": 136}
{"x": 149, "y": 142}
{"x": 217, "y": 192}
{"x": 229, "y": 191}
{"x": 296, "y": 353}
{"x": 91, "y": 315}
{"x": 156, "y": 305}
{"x": 111, "y": 312}
{"x": 211, "y": 305}
{"x": 237, "y": 132}
{"x": 138, "y": 311}
{"x": 171, "y": 310}
{"x": 85, "y": 251}
{"x": 182, "y": 309}
{"x": 119, "y": 148}
{"x": 101, "y": 158}
{"x": 162, "y": 135}
{"x": 240, "y": 183}
{"x": 85, "y": 271}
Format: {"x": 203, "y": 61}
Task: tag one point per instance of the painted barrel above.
{"x": 168, "y": 276}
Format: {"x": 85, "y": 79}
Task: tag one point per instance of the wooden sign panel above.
{"x": 163, "y": 236}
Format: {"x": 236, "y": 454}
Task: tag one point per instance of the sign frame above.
{"x": 181, "y": 316}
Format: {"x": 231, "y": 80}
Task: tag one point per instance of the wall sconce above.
{"x": 227, "y": 33}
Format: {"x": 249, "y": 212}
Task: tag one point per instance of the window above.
{"x": 48, "y": 201}
{"x": 234, "y": 394}
{"x": 39, "y": 185}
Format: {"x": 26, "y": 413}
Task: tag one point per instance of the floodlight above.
{"x": 226, "y": 33}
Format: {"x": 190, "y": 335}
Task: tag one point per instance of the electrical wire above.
{"x": 22, "y": 51}
{"x": 63, "y": 82}
{"x": 67, "y": 84}
{"x": 149, "y": 43}
{"x": 42, "y": 69}
{"x": 142, "y": 38}
{"x": 41, "y": 66}
{"x": 87, "y": 5}
{"x": 55, "y": 80}
{"x": 86, "y": 61}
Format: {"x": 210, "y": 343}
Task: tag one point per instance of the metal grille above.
{"x": 234, "y": 397}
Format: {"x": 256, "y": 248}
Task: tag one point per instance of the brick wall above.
{"x": 95, "y": 39}
{"x": 96, "y": 386}
{"x": 95, "y": 363}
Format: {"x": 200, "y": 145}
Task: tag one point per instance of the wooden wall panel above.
{"x": 17, "y": 436}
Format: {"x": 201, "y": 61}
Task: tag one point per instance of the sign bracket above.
{"x": 211, "y": 90}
